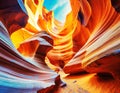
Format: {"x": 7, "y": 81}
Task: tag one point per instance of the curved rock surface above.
{"x": 31, "y": 38}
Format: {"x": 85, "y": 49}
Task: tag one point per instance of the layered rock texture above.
{"x": 31, "y": 40}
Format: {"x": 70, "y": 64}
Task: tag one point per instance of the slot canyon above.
{"x": 59, "y": 46}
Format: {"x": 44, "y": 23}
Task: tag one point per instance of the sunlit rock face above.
{"x": 22, "y": 62}
{"x": 25, "y": 73}
{"x": 97, "y": 53}
{"x": 30, "y": 37}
